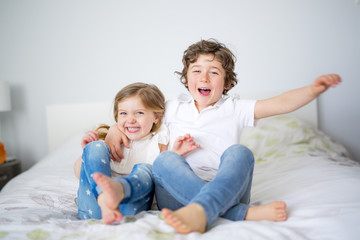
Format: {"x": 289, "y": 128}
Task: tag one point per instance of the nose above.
{"x": 204, "y": 77}
{"x": 131, "y": 119}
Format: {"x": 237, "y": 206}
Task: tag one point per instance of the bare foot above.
{"x": 110, "y": 198}
{"x": 191, "y": 218}
{"x": 274, "y": 211}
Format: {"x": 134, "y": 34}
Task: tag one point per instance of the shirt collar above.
{"x": 146, "y": 138}
{"x": 187, "y": 98}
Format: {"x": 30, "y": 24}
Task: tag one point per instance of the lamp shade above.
{"x": 5, "y": 103}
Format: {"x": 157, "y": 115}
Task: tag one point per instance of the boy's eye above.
{"x": 140, "y": 113}
{"x": 216, "y": 73}
{"x": 122, "y": 113}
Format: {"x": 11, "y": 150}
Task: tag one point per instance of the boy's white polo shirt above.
{"x": 215, "y": 128}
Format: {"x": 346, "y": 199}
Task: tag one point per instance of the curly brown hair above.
{"x": 220, "y": 53}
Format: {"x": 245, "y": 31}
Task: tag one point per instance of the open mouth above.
{"x": 132, "y": 129}
{"x": 204, "y": 91}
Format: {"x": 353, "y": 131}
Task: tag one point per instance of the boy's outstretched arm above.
{"x": 294, "y": 99}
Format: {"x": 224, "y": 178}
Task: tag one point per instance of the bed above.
{"x": 295, "y": 163}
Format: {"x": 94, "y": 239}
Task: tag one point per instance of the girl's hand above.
{"x": 89, "y": 137}
{"x": 184, "y": 145}
{"x": 113, "y": 140}
{"x": 322, "y": 83}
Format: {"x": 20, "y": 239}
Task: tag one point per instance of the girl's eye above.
{"x": 122, "y": 113}
{"x": 140, "y": 113}
{"x": 215, "y": 73}
{"x": 196, "y": 71}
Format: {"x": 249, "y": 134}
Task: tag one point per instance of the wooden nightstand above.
{"x": 8, "y": 170}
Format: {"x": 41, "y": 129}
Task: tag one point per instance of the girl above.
{"x": 138, "y": 111}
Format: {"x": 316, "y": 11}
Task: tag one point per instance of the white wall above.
{"x": 71, "y": 51}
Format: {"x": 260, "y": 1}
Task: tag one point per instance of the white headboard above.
{"x": 63, "y": 121}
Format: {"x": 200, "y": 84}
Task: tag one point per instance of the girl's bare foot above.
{"x": 110, "y": 198}
{"x": 191, "y": 218}
{"x": 273, "y": 211}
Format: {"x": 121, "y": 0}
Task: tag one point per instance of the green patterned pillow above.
{"x": 279, "y": 137}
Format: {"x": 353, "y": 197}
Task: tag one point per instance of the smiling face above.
{"x": 134, "y": 119}
{"x": 206, "y": 79}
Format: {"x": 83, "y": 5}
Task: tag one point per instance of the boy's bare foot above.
{"x": 191, "y": 218}
{"x": 110, "y": 198}
{"x": 273, "y": 211}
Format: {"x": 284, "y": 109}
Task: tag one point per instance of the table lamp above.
{"x": 5, "y": 105}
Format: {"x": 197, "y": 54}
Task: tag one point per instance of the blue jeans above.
{"x": 227, "y": 195}
{"x": 138, "y": 185}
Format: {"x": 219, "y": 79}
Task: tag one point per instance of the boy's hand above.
{"x": 322, "y": 83}
{"x": 113, "y": 140}
{"x": 184, "y": 145}
{"x": 89, "y": 137}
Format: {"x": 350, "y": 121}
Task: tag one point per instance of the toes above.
{"x": 112, "y": 217}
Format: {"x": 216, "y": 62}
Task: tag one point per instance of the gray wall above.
{"x": 71, "y": 51}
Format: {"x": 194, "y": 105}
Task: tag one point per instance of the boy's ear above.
{"x": 227, "y": 86}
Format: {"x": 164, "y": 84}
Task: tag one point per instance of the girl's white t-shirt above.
{"x": 144, "y": 150}
{"x": 215, "y": 128}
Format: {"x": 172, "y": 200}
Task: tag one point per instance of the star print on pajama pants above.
{"x": 138, "y": 185}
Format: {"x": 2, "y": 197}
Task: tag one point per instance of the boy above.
{"x": 215, "y": 180}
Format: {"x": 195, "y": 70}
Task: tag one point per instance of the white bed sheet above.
{"x": 294, "y": 163}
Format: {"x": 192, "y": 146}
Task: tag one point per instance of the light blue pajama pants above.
{"x": 138, "y": 185}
